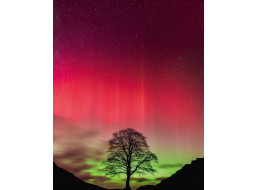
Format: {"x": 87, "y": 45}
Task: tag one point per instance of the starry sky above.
{"x": 127, "y": 63}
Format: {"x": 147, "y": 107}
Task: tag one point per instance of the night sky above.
{"x": 120, "y": 64}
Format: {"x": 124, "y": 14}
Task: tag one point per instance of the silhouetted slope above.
{"x": 64, "y": 180}
{"x": 191, "y": 176}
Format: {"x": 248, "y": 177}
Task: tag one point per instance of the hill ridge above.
{"x": 64, "y": 180}
{"x": 190, "y": 176}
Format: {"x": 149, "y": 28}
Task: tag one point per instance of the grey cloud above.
{"x": 160, "y": 178}
{"x": 140, "y": 179}
{"x": 86, "y": 176}
{"x": 171, "y": 165}
{"x": 73, "y": 168}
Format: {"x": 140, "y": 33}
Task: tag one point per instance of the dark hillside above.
{"x": 64, "y": 180}
{"x": 191, "y": 176}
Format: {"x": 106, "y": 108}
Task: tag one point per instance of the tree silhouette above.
{"x": 128, "y": 153}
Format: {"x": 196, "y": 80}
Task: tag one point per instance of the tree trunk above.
{"x": 127, "y": 183}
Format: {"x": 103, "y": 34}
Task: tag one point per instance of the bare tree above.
{"x": 128, "y": 153}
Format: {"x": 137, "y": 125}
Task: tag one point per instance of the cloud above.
{"x": 75, "y": 145}
{"x": 171, "y": 165}
{"x": 101, "y": 178}
{"x": 84, "y": 176}
{"x": 111, "y": 185}
{"x": 102, "y": 170}
{"x": 139, "y": 179}
{"x": 75, "y": 154}
{"x": 160, "y": 178}
{"x": 75, "y": 168}
{"x": 78, "y": 154}
{"x": 71, "y": 130}
{"x": 87, "y": 176}
{"x": 75, "y": 141}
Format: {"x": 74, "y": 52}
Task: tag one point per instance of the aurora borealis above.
{"x": 120, "y": 64}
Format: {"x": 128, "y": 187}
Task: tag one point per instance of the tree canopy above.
{"x": 128, "y": 153}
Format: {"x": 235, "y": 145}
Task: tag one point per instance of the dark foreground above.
{"x": 191, "y": 176}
